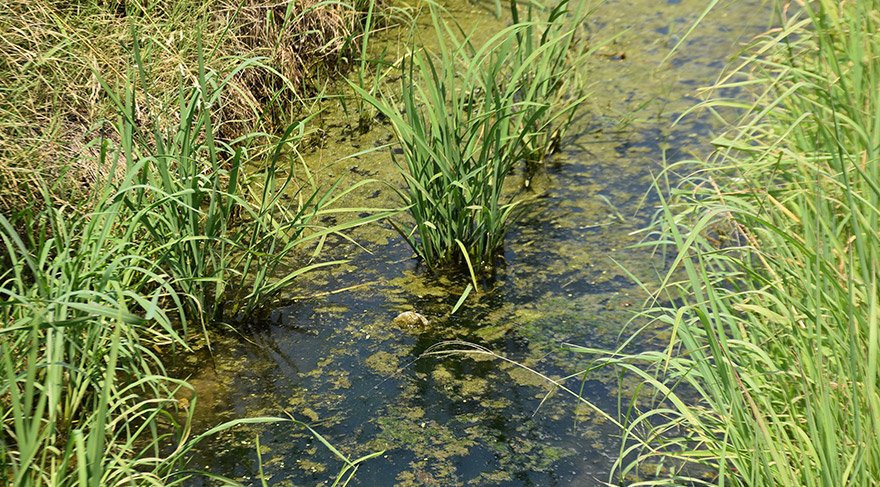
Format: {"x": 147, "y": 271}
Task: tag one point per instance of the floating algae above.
{"x": 340, "y": 362}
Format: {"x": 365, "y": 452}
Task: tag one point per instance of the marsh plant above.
{"x": 470, "y": 115}
{"x": 774, "y": 295}
{"x": 80, "y": 310}
{"x": 555, "y": 76}
{"x": 86, "y": 400}
{"x": 370, "y": 71}
{"x": 92, "y": 292}
{"x": 222, "y": 228}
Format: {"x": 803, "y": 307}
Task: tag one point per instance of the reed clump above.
{"x": 774, "y": 296}
{"x": 223, "y": 218}
{"x": 471, "y": 114}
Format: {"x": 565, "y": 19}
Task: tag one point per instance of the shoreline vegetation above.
{"x": 770, "y": 377}
{"x": 272, "y": 58}
{"x": 153, "y": 189}
{"x": 149, "y": 192}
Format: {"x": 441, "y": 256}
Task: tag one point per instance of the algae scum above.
{"x": 338, "y": 361}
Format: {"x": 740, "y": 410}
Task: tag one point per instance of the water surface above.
{"x": 334, "y": 359}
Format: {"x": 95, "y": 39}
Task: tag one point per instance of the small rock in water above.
{"x": 410, "y": 319}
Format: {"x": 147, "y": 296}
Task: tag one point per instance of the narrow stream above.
{"x": 338, "y": 361}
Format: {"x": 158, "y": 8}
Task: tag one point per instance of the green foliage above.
{"x": 52, "y": 105}
{"x": 470, "y": 115}
{"x": 85, "y": 398}
{"x": 221, "y": 228}
{"x": 552, "y": 51}
{"x": 88, "y": 294}
{"x": 774, "y": 295}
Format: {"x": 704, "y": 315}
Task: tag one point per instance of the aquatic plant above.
{"x": 372, "y": 67}
{"x": 221, "y": 229}
{"x": 470, "y": 115}
{"x": 555, "y": 77}
{"x": 773, "y": 297}
{"x": 85, "y": 398}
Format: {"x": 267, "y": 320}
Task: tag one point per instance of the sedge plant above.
{"x": 93, "y": 295}
{"x": 223, "y": 224}
{"x": 555, "y": 77}
{"x": 471, "y": 114}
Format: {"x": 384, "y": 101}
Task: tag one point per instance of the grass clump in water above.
{"x": 553, "y": 53}
{"x": 223, "y": 219}
{"x": 776, "y": 281}
{"x": 470, "y": 115}
{"x": 85, "y": 398}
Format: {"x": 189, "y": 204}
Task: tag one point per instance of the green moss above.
{"x": 526, "y": 377}
{"x": 494, "y": 332}
{"x": 442, "y": 376}
{"x": 474, "y": 386}
{"x": 311, "y": 414}
{"x": 331, "y": 309}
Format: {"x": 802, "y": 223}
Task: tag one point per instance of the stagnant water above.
{"x": 337, "y": 361}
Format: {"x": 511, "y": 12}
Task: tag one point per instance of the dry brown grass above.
{"x": 53, "y": 107}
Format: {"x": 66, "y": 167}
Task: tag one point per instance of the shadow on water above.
{"x": 339, "y": 362}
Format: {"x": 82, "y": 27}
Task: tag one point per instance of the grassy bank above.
{"x": 771, "y": 375}
{"x": 271, "y": 57}
{"x": 181, "y": 237}
{"x": 148, "y": 164}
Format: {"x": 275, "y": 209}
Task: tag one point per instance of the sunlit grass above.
{"x": 471, "y": 113}
{"x": 771, "y": 375}
{"x": 184, "y": 229}
{"x": 53, "y": 107}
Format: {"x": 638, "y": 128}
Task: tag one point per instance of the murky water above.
{"x": 337, "y": 361}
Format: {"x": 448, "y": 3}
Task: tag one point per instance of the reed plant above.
{"x": 85, "y": 397}
{"x": 470, "y": 115}
{"x": 771, "y": 374}
{"x": 369, "y": 72}
{"x": 223, "y": 219}
{"x": 556, "y": 76}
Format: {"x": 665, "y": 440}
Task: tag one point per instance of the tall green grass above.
{"x": 222, "y": 226}
{"x": 85, "y": 398}
{"x": 92, "y": 291}
{"x": 372, "y": 68}
{"x": 771, "y": 375}
{"x": 471, "y": 114}
{"x": 553, "y": 49}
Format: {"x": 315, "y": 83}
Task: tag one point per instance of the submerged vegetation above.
{"x": 771, "y": 374}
